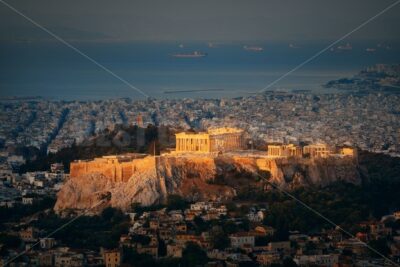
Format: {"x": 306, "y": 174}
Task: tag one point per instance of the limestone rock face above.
{"x": 84, "y": 192}
{"x": 149, "y": 184}
{"x": 292, "y": 173}
{"x": 191, "y": 177}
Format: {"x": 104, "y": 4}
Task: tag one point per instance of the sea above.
{"x": 54, "y": 71}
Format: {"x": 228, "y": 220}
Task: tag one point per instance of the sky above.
{"x": 194, "y": 20}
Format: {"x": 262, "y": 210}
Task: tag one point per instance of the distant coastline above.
{"x": 151, "y": 67}
{"x": 12, "y": 98}
{"x": 192, "y": 91}
{"x": 380, "y": 77}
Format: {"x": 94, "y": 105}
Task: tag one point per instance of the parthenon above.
{"x": 214, "y": 140}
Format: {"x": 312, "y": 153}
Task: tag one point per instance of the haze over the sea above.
{"x": 54, "y": 71}
{"x": 135, "y": 39}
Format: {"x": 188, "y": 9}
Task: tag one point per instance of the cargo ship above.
{"x": 195, "y": 54}
{"x": 253, "y": 48}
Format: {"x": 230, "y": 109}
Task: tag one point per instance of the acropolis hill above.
{"x": 190, "y": 170}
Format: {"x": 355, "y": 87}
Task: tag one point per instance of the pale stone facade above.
{"x": 242, "y": 238}
{"x": 347, "y": 151}
{"x": 214, "y": 140}
{"x": 312, "y": 150}
{"x": 289, "y": 150}
{"x": 118, "y": 168}
{"x": 317, "y": 151}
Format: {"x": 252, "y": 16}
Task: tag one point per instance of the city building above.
{"x": 242, "y": 238}
{"x": 47, "y": 243}
{"x": 267, "y": 258}
{"x": 46, "y": 259}
{"x": 317, "y": 260}
{"x": 112, "y": 258}
{"x": 29, "y": 234}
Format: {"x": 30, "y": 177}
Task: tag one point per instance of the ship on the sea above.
{"x": 253, "y": 48}
{"x": 194, "y": 54}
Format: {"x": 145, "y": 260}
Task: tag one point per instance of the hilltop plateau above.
{"x": 198, "y": 177}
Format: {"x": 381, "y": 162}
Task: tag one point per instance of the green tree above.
{"x": 380, "y": 245}
{"x": 219, "y": 238}
{"x": 10, "y": 241}
{"x": 288, "y": 262}
{"x": 193, "y": 255}
{"x": 176, "y": 202}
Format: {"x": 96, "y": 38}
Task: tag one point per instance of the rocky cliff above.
{"x": 292, "y": 173}
{"x": 199, "y": 178}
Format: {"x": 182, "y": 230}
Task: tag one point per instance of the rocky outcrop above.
{"x": 291, "y": 173}
{"x": 193, "y": 177}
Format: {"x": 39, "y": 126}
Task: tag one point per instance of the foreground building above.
{"x": 214, "y": 140}
{"x": 112, "y": 258}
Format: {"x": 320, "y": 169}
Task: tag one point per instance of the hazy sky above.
{"x": 206, "y": 20}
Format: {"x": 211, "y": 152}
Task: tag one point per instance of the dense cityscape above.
{"x": 209, "y": 133}
{"x": 369, "y": 121}
{"x": 224, "y": 233}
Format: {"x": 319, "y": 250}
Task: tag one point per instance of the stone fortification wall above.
{"x": 115, "y": 171}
